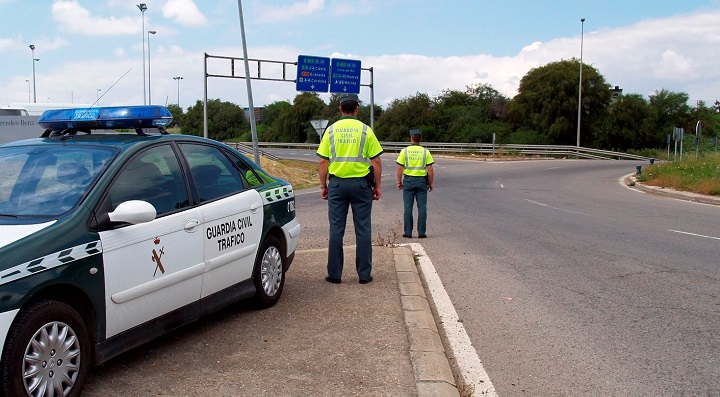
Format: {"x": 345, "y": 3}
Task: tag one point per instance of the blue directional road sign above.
{"x": 345, "y": 76}
{"x": 313, "y": 74}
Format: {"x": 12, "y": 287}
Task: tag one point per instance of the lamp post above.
{"x": 28, "y": 83}
{"x": 148, "y": 49}
{"x": 143, "y": 7}
{"x": 97, "y": 96}
{"x": 178, "y": 78}
{"x": 582, "y": 32}
{"x": 32, "y": 48}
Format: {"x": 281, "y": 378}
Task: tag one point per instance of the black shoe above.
{"x": 367, "y": 280}
{"x": 407, "y": 236}
{"x": 422, "y": 236}
{"x": 333, "y": 280}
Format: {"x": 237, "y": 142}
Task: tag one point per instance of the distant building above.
{"x": 258, "y": 114}
{"x": 616, "y": 92}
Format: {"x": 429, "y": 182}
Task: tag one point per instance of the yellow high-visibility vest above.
{"x": 415, "y": 160}
{"x": 349, "y": 145}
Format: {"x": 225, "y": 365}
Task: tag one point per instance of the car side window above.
{"x": 213, "y": 173}
{"x": 153, "y": 176}
{"x": 250, "y": 175}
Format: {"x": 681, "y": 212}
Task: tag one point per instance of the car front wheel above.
{"x": 47, "y": 352}
{"x": 269, "y": 273}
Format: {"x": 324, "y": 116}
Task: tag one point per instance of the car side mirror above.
{"x": 133, "y": 212}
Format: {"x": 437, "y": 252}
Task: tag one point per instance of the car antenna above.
{"x": 106, "y": 91}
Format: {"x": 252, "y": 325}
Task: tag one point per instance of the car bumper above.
{"x": 6, "y": 319}
{"x": 291, "y": 230}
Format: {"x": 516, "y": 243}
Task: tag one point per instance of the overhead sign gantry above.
{"x": 314, "y": 74}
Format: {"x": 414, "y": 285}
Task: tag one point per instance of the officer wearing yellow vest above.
{"x": 347, "y": 150}
{"x": 415, "y": 177}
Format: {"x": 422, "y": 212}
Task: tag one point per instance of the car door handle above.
{"x": 191, "y": 225}
{"x": 254, "y": 207}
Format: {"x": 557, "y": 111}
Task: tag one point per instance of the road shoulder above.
{"x": 631, "y": 182}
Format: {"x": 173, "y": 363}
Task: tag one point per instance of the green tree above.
{"x": 547, "y": 101}
{"x": 293, "y": 124}
{"x": 271, "y": 113}
{"x": 709, "y": 118}
{"x": 226, "y": 120}
{"x": 495, "y": 104}
{"x": 405, "y": 114}
{"x": 625, "y": 125}
{"x": 331, "y": 111}
{"x": 470, "y": 116}
{"x": 667, "y": 110}
{"x": 177, "y": 113}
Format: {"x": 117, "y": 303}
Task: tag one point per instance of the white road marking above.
{"x": 467, "y": 361}
{"x": 555, "y": 208}
{"x": 693, "y": 234}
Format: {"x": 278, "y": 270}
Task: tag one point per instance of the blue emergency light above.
{"x": 104, "y": 118}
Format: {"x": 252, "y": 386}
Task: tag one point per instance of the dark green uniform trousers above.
{"x": 355, "y": 193}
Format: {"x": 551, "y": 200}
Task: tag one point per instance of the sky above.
{"x": 92, "y": 50}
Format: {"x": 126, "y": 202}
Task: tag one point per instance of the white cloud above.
{"x": 74, "y": 18}
{"x": 676, "y": 53}
{"x": 184, "y": 12}
{"x": 531, "y": 47}
{"x": 269, "y": 13}
{"x": 672, "y": 65}
{"x": 7, "y": 44}
{"x": 355, "y": 8}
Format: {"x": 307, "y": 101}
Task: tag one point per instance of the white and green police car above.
{"x": 108, "y": 240}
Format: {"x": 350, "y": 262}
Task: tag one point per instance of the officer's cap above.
{"x": 349, "y": 98}
{"x": 415, "y": 132}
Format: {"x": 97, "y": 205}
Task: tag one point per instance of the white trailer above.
{"x": 37, "y": 109}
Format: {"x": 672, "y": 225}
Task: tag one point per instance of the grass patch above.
{"x": 300, "y": 174}
{"x": 698, "y": 176}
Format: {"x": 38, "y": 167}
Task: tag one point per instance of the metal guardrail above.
{"x": 248, "y": 149}
{"x": 486, "y": 148}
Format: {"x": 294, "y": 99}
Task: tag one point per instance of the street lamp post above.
{"x": 178, "y": 78}
{"x": 582, "y": 33}
{"x": 97, "y": 96}
{"x": 143, "y": 8}
{"x": 148, "y": 49}
{"x": 32, "y": 48}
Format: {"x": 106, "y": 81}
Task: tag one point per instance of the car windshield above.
{"x": 47, "y": 180}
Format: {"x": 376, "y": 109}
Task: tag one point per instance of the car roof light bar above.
{"x": 106, "y": 118}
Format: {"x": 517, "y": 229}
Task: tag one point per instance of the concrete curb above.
{"x": 431, "y": 368}
{"x": 631, "y": 181}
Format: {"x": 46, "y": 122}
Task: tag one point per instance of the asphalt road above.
{"x": 570, "y": 284}
{"x": 567, "y": 282}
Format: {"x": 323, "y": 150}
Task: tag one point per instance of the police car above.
{"x": 109, "y": 240}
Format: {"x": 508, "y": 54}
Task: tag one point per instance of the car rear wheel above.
{"x": 47, "y": 352}
{"x": 269, "y": 273}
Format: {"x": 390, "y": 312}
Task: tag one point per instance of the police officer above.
{"x": 347, "y": 151}
{"x": 415, "y": 178}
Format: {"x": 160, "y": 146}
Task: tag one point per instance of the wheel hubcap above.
{"x": 271, "y": 271}
{"x": 52, "y": 361}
